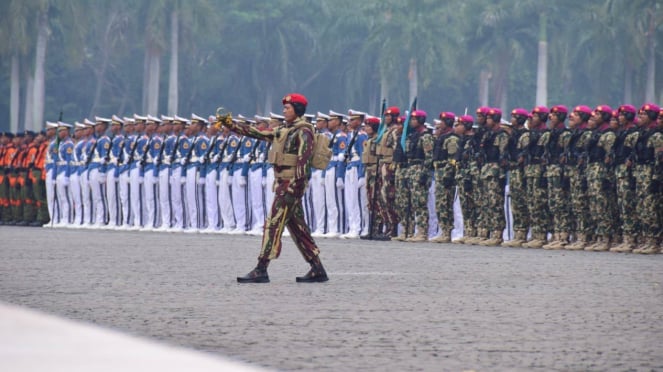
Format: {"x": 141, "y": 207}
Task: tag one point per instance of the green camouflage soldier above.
{"x": 627, "y": 137}
{"x": 466, "y": 175}
{"x": 648, "y": 179}
{"x": 575, "y": 161}
{"x": 517, "y": 182}
{"x": 493, "y": 176}
{"x": 537, "y": 193}
{"x": 419, "y": 150}
{"x": 444, "y": 162}
{"x": 369, "y": 159}
{"x": 558, "y": 186}
{"x": 600, "y": 184}
{"x": 385, "y": 151}
{"x": 403, "y": 184}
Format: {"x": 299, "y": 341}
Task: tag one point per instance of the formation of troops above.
{"x": 559, "y": 178}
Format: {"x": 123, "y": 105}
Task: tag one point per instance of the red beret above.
{"x": 540, "y": 110}
{"x": 560, "y": 109}
{"x": 372, "y": 120}
{"x": 447, "y": 115}
{"x": 604, "y": 108}
{"x": 495, "y": 111}
{"x": 615, "y": 114}
{"x": 627, "y": 108}
{"x": 295, "y": 98}
{"x": 483, "y": 110}
{"x": 393, "y": 110}
{"x": 650, "y": 107}
{"x": 419, "y": 113}
{"x": 519, "y": 111}
{"x": 583, "y": 109}
{"x": 466, "y": 119}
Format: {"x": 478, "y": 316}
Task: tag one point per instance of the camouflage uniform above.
{"x": 419, "y": 145}
{"x": 558, "y": 187}
{"x": 581, "y": 221}
{"x": 537, "y": 198}
{"x": 444, "y": 162}
{"x": 387, "y": 192}
{"x": 518, "y": 187}
{"x": 370, "y": 161}
{"x": 600, "y": 186}
{"x": 624, "y": 154}
{"x": 647, "y": 189}
{"x": 466, "y": 178}
{"x": 402, "y": 192}
{"x": 493, "y": 177}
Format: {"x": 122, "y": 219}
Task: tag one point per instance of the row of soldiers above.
{"x": 593, "y": 184}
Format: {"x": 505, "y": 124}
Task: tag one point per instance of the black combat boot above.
{"x": 257, "y": 275}
{"x": 317, "y": 273}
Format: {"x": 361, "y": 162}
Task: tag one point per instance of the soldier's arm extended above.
{"x": 243, "y": 129}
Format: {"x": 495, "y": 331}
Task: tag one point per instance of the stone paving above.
{"x": 387, "y": 307}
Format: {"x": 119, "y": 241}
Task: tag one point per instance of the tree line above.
{"x": 84, "y": 58}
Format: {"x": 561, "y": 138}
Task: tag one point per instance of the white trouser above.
{"x": 240, "y": 202}
{"x": 112, "y": 198}
{"x": 123, "y": 189}
{"x": 269, "y": 188}
{"x": 432, "y": 212}
{"x": 225, "y": 201}
{"x": 334, "y": 202}
{"x": 86, "y": 197}
{"x": 363, "y": 211}
{"x": 164, "y": 196}
{"x": 135, "y": 196}
{"x": 50, "y": 195}
{"x": 176, "y": 198}
{"x": 63, "y": 198}
{"x": 97, "y": 181}
{"x": 191, "y": 186}
{"x": 256, "y": 192}
{"x": 352, "y": 201}
{"x": 150, "y": 186}
{"x": 75, "y": 198}
{"x": 211, "y": 199}
{"x": 318, "y": 199}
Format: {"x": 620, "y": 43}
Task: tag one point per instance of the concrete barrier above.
{"x": 34, "y": 341}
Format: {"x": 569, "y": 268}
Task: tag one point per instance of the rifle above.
{"x": 406, "y": 124}
{"x": 88, "y": 159}
{"x": 348, "y": 151}
{"x": 157, "y": 161}
{"x": 233, "y": 158}
{"x": 371, "y": 220}
{"x": 190, "y": 153}
{"x": 147, "y": 150}
{"x": 382, "y": 127}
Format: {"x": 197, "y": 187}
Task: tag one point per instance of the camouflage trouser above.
{"x": 626, "y": 200}
{"x": 387, "y": 195}
{"x": 403, "y": 200}
{"x": 600, "y": 192}
{"x": 444, "y": 199}
{"x": 420, "y": 195}
{"x": 493, "y": 195}
{"x": 478, "y": 193}
{"x": 287, "y": 212}
{"x": 581, "y": 221}
{"x": 467, "y": 197}
{"x": 374, "y": 207}
{"x": 537, "y": 201}
{"x": 15, "y": 199}
{"x": 558, "y": 199}
{"x": 648, "y": 206}
{"x": 518, "y": 192}
{"x": 39, "y": 192}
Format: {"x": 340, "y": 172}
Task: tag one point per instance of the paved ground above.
{"x": 388, "y": 306}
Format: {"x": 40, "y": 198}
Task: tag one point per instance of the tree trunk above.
{"x": 14, "y": 98}
{"x": 29, "y": 102}
{"x": 174, "y": 54}
{"x": 413, "y": 78}
{"x": 40, "y": 60}
{"x": 146, "y": 80}
{"x": 484, "y": 85}
{"x": 153, "y": 81}
{"x": 269, "y": 95}
{"x": 542, "y": 65}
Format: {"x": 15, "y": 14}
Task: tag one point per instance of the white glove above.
{"x": 229, "y": 180}
{"x": 362, "y": 182}
{"x": 182, "y": 180}
{"x": 183, "y": 161}
{"x": 217, "y": 183}
{"x": 201, "y": 161}
{"x": 263, "y": 182}
{"x": 102, "y": 177}
{"x": 64, "y": 181}
{"x": 242, "y": 181}
{"x": 201, "y": 180}
{"x": 339, "y": 183}
{"x": 102, "y": 161}
{"x": 322, "y": 181}
{"x": 140, "y": 180}
{"x": 215, "y": 158}
{"x": 246, "y": 158}
{"x": 341, "y": 157}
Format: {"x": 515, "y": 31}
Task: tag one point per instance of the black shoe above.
{"x": 22, "y": 223}
{"x": 255, "y": 276}
{"x": 313, "y": 276}
{"x": 36, "y": 224}
{"x": 10, "y": 223}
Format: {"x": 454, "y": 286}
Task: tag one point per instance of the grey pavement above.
{"x": 387, "y": 307}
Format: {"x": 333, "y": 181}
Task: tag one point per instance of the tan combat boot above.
{"x": 602, "y": 244}
{"x": 419, "y": 237}
{"x": 519, "y": 238}
{"x": 481, "y": 236}
{"x": 579, "y": 244}
{"x": 553, "y": 242}
{"x": 649, "y": 247}
{"x": 560, "y": 240}
{"x": 538, "y": 240}
{"x": 628, "y": 243}
{"x": 444, "y": 237}
{"x": 494, "y": 240}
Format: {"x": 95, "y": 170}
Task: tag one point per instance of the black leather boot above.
{"x": 257, "y": 275}
{"x": 317, "y": 274}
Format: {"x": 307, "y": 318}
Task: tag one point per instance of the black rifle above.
{"x": 371, "y": 148}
